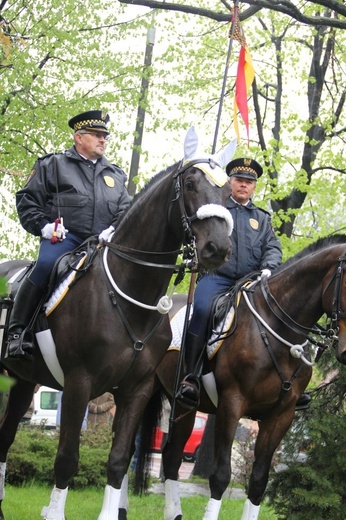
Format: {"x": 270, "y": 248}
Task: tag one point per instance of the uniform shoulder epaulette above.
{"x": 264, "y": 211}
{"x": 119, "y": 169}
{"x": 43, "y": 157}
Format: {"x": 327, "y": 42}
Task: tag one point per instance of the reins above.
{"x": 296, "y": 350}
{"x": 189, "y": 246}
{"x": 328, "y": 334}
{"x": 294, "y": 326}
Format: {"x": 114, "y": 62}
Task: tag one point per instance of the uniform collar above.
{"x": 235, "y": 203}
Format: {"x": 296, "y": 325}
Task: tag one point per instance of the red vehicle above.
{"x": 194, "y": 441}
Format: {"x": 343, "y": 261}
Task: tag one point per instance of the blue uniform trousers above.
{"x": 208, "y": 288}
{"x": 48, "y": 254}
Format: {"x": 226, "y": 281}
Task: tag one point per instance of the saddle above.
{"x": 223, "y": 305}
{"x": 64, "y": 265}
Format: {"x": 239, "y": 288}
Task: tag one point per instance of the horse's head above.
{"x": 204, "y": 191}
{"x": 334, "y": 302}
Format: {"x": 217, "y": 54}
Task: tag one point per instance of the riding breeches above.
{"x": 48, "y": 254}
{"x": 208, "y": 288}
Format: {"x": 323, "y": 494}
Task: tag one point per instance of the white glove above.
{"x": 105, "y": 234}
{"x": 48, "y": 230}
{"x": 265, "y": 273}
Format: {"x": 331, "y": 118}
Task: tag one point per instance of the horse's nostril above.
{"x": 342, "y": 358}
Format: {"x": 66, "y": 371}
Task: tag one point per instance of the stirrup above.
{"x": 20, "y": 346}
{"x": 188, "y": 392}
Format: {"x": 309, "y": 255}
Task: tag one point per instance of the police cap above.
{"x": 244, "y": 168}
{"x": 92, "y": 120}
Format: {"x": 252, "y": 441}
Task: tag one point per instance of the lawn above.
{"x": 25, "y": 503}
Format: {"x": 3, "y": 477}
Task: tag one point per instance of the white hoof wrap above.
{"x": 56, "y": 508}
{"x": 2, "y": 479}
{"x": 172, "y": 500}
{"x": 124, "y": 495}
{"x": 110, "y": 506}
{"x": 212, "y": 510}
{"x": 250, "y": 511}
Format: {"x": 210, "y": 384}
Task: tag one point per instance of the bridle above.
{"x": 189, "y": 253}
{"x": 337, "y": 313}
{"x": 329, "y": 334}
{"x": 214, "y": 210}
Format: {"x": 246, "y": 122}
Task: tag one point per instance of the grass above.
{"x": 25, "y": 503}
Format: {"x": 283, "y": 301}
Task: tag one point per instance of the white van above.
{"x": 46, "y": 402}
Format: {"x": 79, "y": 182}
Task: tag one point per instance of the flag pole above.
{"x": 231, "y": 34}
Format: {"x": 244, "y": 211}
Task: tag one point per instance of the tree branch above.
{"x": 280, "y": 6}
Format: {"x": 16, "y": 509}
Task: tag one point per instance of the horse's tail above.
{"x": 145, "y": 437}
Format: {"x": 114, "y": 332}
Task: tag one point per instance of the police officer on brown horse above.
{"x": 68, "y": 197}
{"x": 255, "y": 247}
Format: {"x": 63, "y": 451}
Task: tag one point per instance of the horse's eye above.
{"x": 189, "y": 186}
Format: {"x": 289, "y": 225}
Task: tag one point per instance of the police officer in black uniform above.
{"x": 254, "y": 248}
{"x": 83, "y": 188}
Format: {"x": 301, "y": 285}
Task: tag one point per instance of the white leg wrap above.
{"x": 212, "y": 510}
{"x": 2, "y": 479}
{"x": 172, "y": 500}
{"x": 124, "y": 495}
{"x": 56, "y": 508}
{"x": 110, "y": 506}
{"x": 250, "y": 512}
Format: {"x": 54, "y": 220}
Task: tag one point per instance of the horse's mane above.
{"x": 321, "y": 243}
{"x": 137, "y": 199}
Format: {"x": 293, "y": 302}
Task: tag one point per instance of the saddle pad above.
{"x": 62, "y": 289}
{"x": 177, "y": 326}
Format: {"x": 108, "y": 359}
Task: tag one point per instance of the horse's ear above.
{"x": 224, "y": 156}
{"x": 190, "y": 143}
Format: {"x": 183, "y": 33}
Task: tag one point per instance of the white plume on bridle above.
{"x": 216, "y": 176}
{"x": 212, "y": 170}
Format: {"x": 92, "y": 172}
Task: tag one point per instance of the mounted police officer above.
{"x": 68, "y": 197}
{"x": 254, "y": 248}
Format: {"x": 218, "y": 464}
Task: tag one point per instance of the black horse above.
{"x": 262, "y": 368}
{"x": 110, "y": 331}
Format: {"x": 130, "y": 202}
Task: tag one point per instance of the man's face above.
{"x": 90, "y": 144}
{"x": 242, "y": 189}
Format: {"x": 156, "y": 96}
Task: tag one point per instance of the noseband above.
{"x": 205, "y": 211}
{"x": 331, "y": 333}
{"x": 189, "y": 247}
{"x": 337, "y": 313}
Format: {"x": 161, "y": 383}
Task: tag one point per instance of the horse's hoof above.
{"x": 122, "y": 514}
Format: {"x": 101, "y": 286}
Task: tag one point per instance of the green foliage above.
{"x": 3, "y": 287}
{"x": 65, "y": 61}
{"x": 315, "y": 489}
{"x": 31, "y": 457}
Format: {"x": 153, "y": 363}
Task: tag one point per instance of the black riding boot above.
{"x": 189, "y": 389}
{"x": 25, "y": 303}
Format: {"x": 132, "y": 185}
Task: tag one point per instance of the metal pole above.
{"x": 178, "y": 373}
{"x": 137, "y": 142}
{"x": 234, "y": 18}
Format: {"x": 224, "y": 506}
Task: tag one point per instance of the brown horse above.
{"x": 262, "y": 367}
{"x": 110, "y": 331}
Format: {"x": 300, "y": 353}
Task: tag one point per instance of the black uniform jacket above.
{"x": 89, "y": 197}
{"x": 254, "y": 243}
